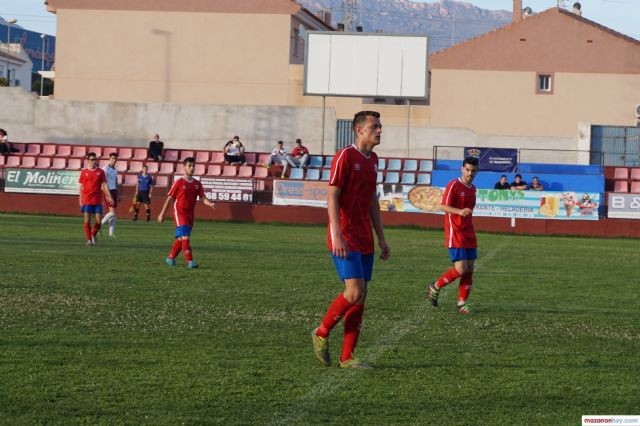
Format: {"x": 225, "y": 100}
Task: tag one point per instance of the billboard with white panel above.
{"x": 366, "y": 65}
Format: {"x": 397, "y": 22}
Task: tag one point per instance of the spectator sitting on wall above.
{"x": 502, "y": 183}
{"x": 5, "y": 145}
{"x": 518, "y": 183}
{"x": 299, "y": 156}
{"x": 536, "y": 185}
{"x": 234, "y": 152}
{"x": 155, "y": 148}
{"x": 279, "y": 156}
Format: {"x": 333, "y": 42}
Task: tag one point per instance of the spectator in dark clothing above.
{"x": 518, "y": 183}
{"x": 155, "y": 148}
{"x": 5, "y": 145}
{"x": 502, "y": 183}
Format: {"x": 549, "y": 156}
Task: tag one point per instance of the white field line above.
{"x": 333, "y": 379}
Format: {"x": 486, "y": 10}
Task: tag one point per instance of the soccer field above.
{"x": 111, "y": 335}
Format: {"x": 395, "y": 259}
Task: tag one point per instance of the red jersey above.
{"x": 355, "y": 174}
{"x": 91, "y": 185}
{"x": 299, "y": 151}
{"x": 186, "y": 195}
{"x": 458, "y": 230}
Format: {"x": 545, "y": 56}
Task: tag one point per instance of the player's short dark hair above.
{"x": 519, "y": 175}
{"x": 189, "y": 160}
{"x": 470, "y": 160}
{"x": 503, "y": 176}
{"x": 113, "y": 154}
{"x": 361, "y": 117}
{"x": 280, "y": 142}
{"x": 92, "y": 154}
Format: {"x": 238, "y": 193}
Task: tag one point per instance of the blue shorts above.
{"x": 456, "y": 254}
{"x": 183, "y": 231}
{"x": 355, "y": 265}
{"x": 91, "y": 208}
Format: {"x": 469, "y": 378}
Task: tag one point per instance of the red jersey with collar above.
{"x": 299, "y": 151}
{"x": 186, "y": 195}
{"x": 355, "y": 174}
{"x": 91, "y": 185}
{"x": 458, "y": 230}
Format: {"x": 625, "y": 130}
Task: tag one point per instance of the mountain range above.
{"x": 446, "y": 22}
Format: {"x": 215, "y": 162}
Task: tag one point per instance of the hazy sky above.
{"x": 620, "y": 15}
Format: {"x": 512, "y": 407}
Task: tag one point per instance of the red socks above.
{"x": 96, "y": 228}
{"x": 447, "y": 278}
{"x": 175, "y": 249}
{"x": 336, "y": 310}
{"x": 465, "y": 287}
{"x": 352, "y": 322}
{"x": 186, "y": 250}
{"x": 87, "y": 230}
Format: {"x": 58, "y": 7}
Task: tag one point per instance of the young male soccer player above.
{"x": 112, "y": 182}
{"x": 353, "y": 209}
{"x": 143, "y": 193}
{"x": 185, "y": 191}
{"x": 93, "y": 184}
{"x": 458, "y": 201}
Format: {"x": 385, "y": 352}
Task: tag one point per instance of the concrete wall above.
{"x": 29, "y": 119}
{"x": 195, "y": 126}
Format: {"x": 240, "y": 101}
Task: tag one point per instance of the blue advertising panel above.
{"x": 33, "y": 45}
{"x": 494, "y": 159}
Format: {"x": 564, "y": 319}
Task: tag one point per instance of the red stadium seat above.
{"x": 48, "y": 149}
{"x": 202, "y": 157}
{"x": 125, "y": 153}
{"x": 162, "y": 181}
{"x": 635, "y": 174}
{"x": 621, "y": 186}
{"x": 260, "y": 172}
{"x": 635, "y": 187}
{"x": 43, "y": 163}
{"x": 621, "y": 173}
{"x": 33, "y": 149}
{"x": 12, "y": 161}
{"x": 152, "y": 167}
{"x": 264, "y": 158}
{"x": 199, "y": 170}
{"x": 179, "y": 169}
{"x": 245, "y": 171}
{"x": 2, "y": 160}
{"x": 79, "y": 151}
{"x": 229, "y": 171}
{"x": 185, "y": 154}
{"x": 214, "y": 170}
{"x": 166, "y": 168}
{"x": 59, "y": 163}
{"x": 139, "y": 154}
{"x": 28, "y": 161}
{"x": 121, "y": 166}
{"x": 250, "y": 158}
{"x": 74, "y": 164}
{"x": 135, "y": 166}
{"x": 103, "y": 163}
{"x": 21, "y": 147}
{"x": 130, "y": 179}
{"x": 217, "y": 157}
{"x": 170, "y": 155}
{"x": 64, "y": 150}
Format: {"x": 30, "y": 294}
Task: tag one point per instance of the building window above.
{"x": 544, "y": 83}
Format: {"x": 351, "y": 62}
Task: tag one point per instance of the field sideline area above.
{"x": 111, "y": 335}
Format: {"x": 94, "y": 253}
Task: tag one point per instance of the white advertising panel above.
{"x": 366, "y": 65}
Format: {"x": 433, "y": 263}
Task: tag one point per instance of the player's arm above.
{"x": 454, "y": 210}
{"x": 164, "y": 208}
{"x": 208, "y": 202}
{"x": 333, "y": 208}
{"x": 80, "y": 196}
{"x": 376, "y": 222}
{"x": 106, "y": 192}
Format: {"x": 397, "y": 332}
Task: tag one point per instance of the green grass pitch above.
{"x": 111, "y": 335}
